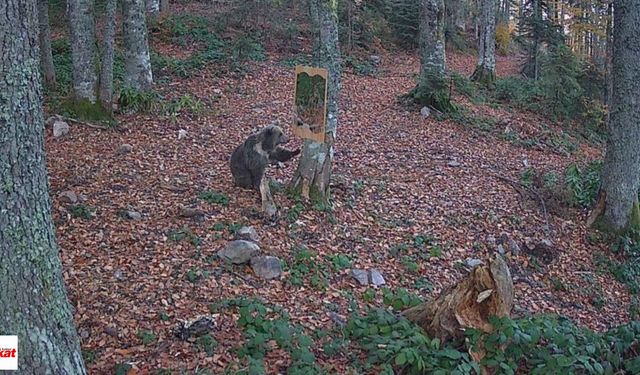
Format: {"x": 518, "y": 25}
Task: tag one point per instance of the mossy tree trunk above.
{"x": 314, "y": 169}
{"x": 487, "y": 291}
{"x": 46, "y": 58}
{"x": 432, "y": 89}
{"x": 106, "y": 68}
{"x": 33, "y": 301}
{"x": 83, "y": 40}
{"x": 618, "y": 204}
{"x": 485, "y": 71}
{"x": 136, "y": 46}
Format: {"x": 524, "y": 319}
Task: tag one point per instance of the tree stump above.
{"x": 486, "y": 291}
{"x": 269, "y": 208}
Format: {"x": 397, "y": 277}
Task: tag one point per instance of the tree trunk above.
{"x": 46, "y": 58}
{"x": 153, "y": 7}
{"x": 83, "y": 39}
{"x": 486, "y": 69}
{"x": 487, "y": 291}
{"x": 136, "y": 47}
{"x": 621, "y": 169}
{"x": 164, "y": 6}
{"x": 34, "y": 303}
{"x": 314, "y": 169}
{"x": 432, "y": 89}
{"x": 608, "y": 92}
{"x": 106, "y": 71}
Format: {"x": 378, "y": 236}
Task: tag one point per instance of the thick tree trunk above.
{"x": 46, "y": 58}
{"x": 485, "y": 71}
{"x": 33, "y": 301}
{"x": 164, "y": 6}
{"x": 487, "y": 291}
{"x": 608, "y": 92}
{"x": 136, "y": 47}
{"x": 106, "y": 71}
{"x": 432, "y": 89}
{"x": 83, "y": 39}
{"x": 314, "y": 170}
{"x": 621, "y": 169}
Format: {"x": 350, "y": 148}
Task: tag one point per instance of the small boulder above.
{"x": 375, "y": 60}
{"x": 196, "y": 327}
{"x": 376, "y": 277}
{"x": 266, "y": 267}
{"x": 361, "y": 276}
{"x": 247, "y": 234}
{"x": 60, "y": 128}
{"x": 133, "y": 215}
{"x": 454, "y": 163}
{"x": 514, "y": 247}
{"x": 191, "y": 213}
{"x": 239, "y": 251}
{"x": 471, "y": 263}
{"x": 182, "y": 133}
{"x": 425, "y": 112}
{"x": 500, "y": 249}
{"x": 124, "y": 148}
{"x": 68, "y": 197}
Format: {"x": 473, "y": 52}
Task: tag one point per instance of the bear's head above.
{"x": 272, "y": 136}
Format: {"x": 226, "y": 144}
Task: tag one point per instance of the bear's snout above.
{"x": 284, "y": 139}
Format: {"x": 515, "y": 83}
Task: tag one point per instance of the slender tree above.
{"x": 46, "y": 57}
{"x": 432, "y": 89}
{"x": 136, "y": 46}
{"x": 486, "y": 69}
{"x": 106, "y": 69}
{"x": 33, "y": 301}
{"x": 314, "y": 169}
{"x": 83, "y": 40}
{"x": 618, "y": 203}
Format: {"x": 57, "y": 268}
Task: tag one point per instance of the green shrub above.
{"x": 584, "y": 183}
{"x": 132, "y": 100}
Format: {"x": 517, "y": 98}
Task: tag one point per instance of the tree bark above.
{"x": 487, "y": 291}
{"x": 153, "y": 7}
{"x": 314, "y": 169}
{"x": 485, "y": 71}
{"x": 46, "y": 58}
{"x": 106, "y": 70}
{"x": 621, "y": 169}
{"x": 34, "y": 303}
{"x": 83, "y": 39}
{"x": 164, "y": 6}
{"x": 136, "y": 46}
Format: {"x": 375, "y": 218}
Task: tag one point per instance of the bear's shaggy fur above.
{"x": 250, "y": 159}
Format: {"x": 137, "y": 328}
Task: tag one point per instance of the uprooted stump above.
{"x": 487, "y": 291}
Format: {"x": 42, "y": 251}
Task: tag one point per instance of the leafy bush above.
{"x": 132, "y": 100}
{"x": 503, "y": 39}
{"x": 584, "y": 183}
{"x": 559, "y": 82}
{"x": 216, "y": 197}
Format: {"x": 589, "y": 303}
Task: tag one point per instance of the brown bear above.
{"x": 250, "y": 159}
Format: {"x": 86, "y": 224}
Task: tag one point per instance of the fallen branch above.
{"x": 518, "y": 186}
{"x": 69, "y": 119}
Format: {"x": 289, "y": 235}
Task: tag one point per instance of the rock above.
{"x": 453, "y": 163}
{"x": 361, "y": 276}
{"x": 111, "y": 331}
{"x": 375, "y": 59}
{"x": 266, "y": 267}
{"x": 118, "y": 274}
{"x": 469, "y": 262}
{"x": 425, "y": 112}
{"x": 376, "y": 277}
{"x": 500, "y": 249}
{"x": 132, "y": 215}
{"x": 491, "y": 243}
{"x": 191, "y": 213}
{"x": 337, "y": 319}
{"x": 60, "y": 128}
{"x": 182, "y": 133}
{"x": 124, "y": 148}
{"x": 545, "y": 251}
{"x": 513, "y": 247}
{"x": 68, "y": 197}
{"x": 196, "y": 327}
{"x": 239, "y": 251}
{"x": 247, "y": 234}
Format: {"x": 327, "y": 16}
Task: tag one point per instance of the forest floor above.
{"x": 399, "y": 179}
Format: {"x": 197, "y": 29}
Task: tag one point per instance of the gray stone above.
{"x": 361, "y": 276}
{"x": 248, "y": 234}
{"x": 239, "y": 251}
{"x": 60, "y": 128}
{"x": 266, "y": 267}
{"x": 133, "y": 215}
{"x": 501, "y": 250}
{"x": 191, "y": 213}
{"x": 375, "y": 59}
{"x": 491, "y": 243}
{"x": 182, "y": 133}
{"x": 69, "y": 197}
{"x": 124, "y": 148}
{"x": 469, "y": 262}
{"x": 376, "y": 277}
{"x": 425, "y": 112}
{"x": 196, "y": 327}
{"x": 513, "y": 247}
{"x": 453, "y": 163}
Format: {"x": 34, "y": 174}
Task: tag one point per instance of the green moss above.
{"x": 85, "y": 110}
{"x": 433, "y": 92}
{"x": 634, "y": 220}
